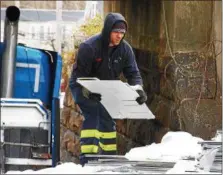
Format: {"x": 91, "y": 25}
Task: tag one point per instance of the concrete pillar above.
{"x": 189, "y": 24}
{"x": 217, "y": 37}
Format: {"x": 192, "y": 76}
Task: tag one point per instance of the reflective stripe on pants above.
{"x": 89, "y": 149}
{"x": 85, "y": 133}
{"x": 93, "y": 149}
{"x": 106, "y": 141}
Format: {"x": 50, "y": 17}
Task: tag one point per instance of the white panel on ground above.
{"x": 118, "y": 98}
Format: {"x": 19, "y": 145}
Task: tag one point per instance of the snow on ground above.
{"x": 65, "y": 168}
{"x": 70, "y": 168}
{"x": 173, "y": 147}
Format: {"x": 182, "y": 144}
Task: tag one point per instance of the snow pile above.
{"x": 217, "y": 137}
{"x": 174, "y": 146}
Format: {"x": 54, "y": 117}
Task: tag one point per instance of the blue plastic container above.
{"x": 33, "y": 74}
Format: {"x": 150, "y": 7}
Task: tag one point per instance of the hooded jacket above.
{"x": 93, "y": 59}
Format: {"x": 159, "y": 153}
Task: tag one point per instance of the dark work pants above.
{"x": 98, "y": 133}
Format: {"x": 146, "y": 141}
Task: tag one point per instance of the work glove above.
{"x": 91, "y": 95}
{"x": 142, "y": 95}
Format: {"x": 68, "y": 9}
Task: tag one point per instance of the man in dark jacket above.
{"x": 104, "y": 56}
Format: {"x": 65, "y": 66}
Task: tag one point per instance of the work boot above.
{"x": 84, "y": 160}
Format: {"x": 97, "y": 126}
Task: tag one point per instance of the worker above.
{"x": 104, "y": 56}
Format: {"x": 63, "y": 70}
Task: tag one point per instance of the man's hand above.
{"x": 90, "y": 95}
{"x": 142, "y": 97}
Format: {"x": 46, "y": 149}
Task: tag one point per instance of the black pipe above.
{"x": 8, "y": 61}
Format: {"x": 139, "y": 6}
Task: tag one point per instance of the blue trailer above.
{"x": 30, "y": 104}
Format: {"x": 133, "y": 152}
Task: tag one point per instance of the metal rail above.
{"x": 118, "y": 163}
{"x": 34, "y": 145}
{"x": 207, "y": 147}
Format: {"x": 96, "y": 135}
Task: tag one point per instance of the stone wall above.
{"x": 184, "y": 92}
{"x": 192, "y": 91}
{"x": 71, "y": 122}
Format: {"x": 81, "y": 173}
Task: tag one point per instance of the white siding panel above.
{"x": 118, "y": 98}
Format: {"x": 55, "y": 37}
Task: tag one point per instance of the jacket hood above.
{"x": 110, "y": 20}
